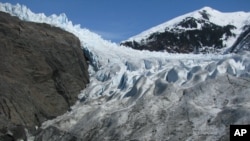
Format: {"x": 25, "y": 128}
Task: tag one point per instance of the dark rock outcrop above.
{"x": 42, "y": 70}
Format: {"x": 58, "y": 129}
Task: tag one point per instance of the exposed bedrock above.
{"x": 42, "y": 70}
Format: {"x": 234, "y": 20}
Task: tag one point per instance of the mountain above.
{"x": 42, "y": 71}
{"x": 203, "y": 31}
{"x": 148, "y": 95}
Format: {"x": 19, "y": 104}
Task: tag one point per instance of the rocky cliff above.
{"x": 42, "y": 70}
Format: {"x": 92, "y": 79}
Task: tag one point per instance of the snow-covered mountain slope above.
{"x": 205, "y": 30}
{"x": 142, "y": 95}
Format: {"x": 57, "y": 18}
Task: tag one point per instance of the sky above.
{"x": 117, "y": 20}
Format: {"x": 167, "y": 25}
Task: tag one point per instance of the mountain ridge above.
{"x": 161, "y": 27}
{"x": 206, "y": 29}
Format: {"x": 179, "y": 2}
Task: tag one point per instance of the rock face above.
{"x": 42, "y": 70}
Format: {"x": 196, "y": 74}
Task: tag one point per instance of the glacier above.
{"x": 143, "y": 95}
